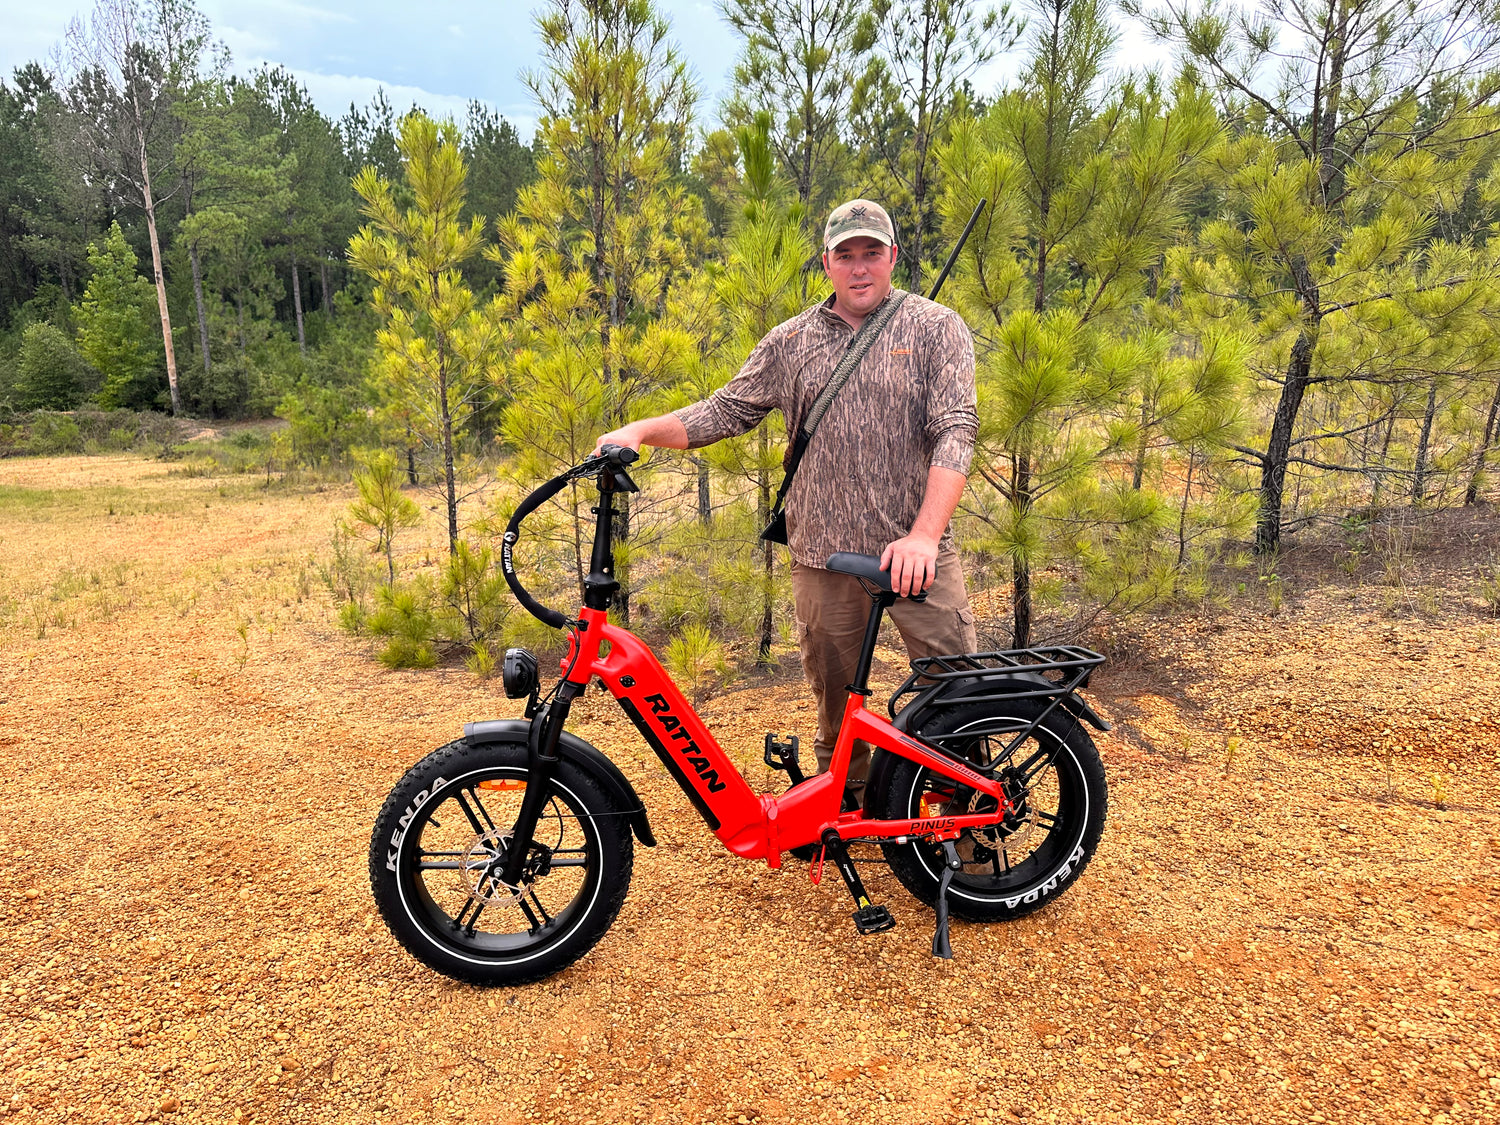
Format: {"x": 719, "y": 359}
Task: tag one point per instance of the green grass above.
{"x": 113, "y": 500}
{"x": 14, "y": 496}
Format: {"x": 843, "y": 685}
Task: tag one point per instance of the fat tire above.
{"x": 1082, "y": 805}
{"x": 408, "y": 911}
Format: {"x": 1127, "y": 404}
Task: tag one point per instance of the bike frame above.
{"x": 751, "y": 826}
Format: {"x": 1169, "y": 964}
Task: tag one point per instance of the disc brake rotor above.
{"x": 479, "y": 877}
{"x": 1012, "y": 835}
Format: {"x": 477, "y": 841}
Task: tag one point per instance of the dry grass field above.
{"x": 1293, "y": 915}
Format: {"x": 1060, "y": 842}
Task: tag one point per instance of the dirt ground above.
{"x": 1292, "y": 916}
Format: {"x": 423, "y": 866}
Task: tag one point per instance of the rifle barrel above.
{"x": 953, "y": 257}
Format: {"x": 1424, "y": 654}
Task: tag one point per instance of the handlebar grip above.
{"x": 507, "y": 564}
{"x": 620, "y": 454}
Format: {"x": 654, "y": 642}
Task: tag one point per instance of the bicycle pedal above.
{"x": 873, "y": 919}
{"x": 784, "y": 756}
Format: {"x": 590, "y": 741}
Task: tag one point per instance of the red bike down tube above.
{"x": 753, "y": 826}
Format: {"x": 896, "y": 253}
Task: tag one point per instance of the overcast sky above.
{"x": 438, "y": 54}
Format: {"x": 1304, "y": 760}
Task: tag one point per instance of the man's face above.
{"x": 860, "y": 270}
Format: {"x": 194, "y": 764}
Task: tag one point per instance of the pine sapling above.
{"x": 382, "y": 510}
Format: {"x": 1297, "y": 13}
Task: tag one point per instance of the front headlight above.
{"x": 518, "y": 673}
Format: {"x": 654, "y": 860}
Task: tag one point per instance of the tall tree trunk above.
{"x": 804, "y": 173}
{"x": 1021, "y": 498}
{"x": 1021, "y": 565}
{"x": 1279, "y": 448}
{"x": 1471, "y": 494}
{"x": 297, "y": 305}
{"x": 1385, "y": 449}
{"x": 579, "y": 570}
{"x": 149, "y": 202}
{"x": 920, "y": 143}
{"x": 198, "y": 300}
{"x": 919, "y": 207}
{"x": 1419, "y": 478}
{"x": 705, "y": 510}
{"x": 767, "y": 554}
{"x": 450, "y": 482}
{"x": 1138, "y": 472}
{"x": 1187, "y": 495}
{"x": 327, "y": 299}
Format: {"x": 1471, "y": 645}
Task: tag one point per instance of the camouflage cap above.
{"x": 859, "y": 218}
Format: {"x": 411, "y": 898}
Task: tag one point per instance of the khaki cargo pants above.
{"x": 832, "y": 610}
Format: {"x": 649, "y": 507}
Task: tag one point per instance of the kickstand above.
{"x": 951, "y": 863}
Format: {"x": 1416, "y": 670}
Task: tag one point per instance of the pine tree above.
{"x": 1087, "y": 190}
{"x": 928, "y": 49}
{"x": 381, "y": 510}
{"x": 234, "y": 186}
{"x": 114, "y": 326}
{"x": 314, "y": 213}
{"x": 128, "y": 65}
{"x": 1336, "y": 183}
{"x": 598, "y": 244}
{"x": 47, "y": 210}
{"x": 801, "y": 62}
{"x": 761, "y": 286}
{"x": 436, "y": 354}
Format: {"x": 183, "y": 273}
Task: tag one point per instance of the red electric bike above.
{"x": 503, "y": 857}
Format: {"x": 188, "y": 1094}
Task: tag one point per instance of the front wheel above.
{"x": 1055, "y": 788}
{"x": 440, "y": 842}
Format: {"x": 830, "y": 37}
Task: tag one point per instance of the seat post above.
{"x": 878, "y": 604}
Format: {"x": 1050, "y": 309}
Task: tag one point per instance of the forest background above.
{"x": 1215, "y": 310}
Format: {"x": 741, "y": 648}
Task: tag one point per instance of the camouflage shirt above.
{"x": 908, "y": 406}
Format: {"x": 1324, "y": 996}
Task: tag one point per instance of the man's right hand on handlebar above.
{"x": 665, "y": 431}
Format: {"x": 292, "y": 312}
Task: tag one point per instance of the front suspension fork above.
{"x": 541, "y": 767}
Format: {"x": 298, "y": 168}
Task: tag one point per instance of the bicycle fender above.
{"x": 1021, "y": 681}
{"x": 584, "y": 755}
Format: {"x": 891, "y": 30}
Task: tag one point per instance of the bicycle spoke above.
{"x": 577, "y": 857}
{"x": 441, "y": 865}
{"x": 1032, "y": 767}
{"x": 465, "y": 920}
{"x": 531, "y": 918}
{"x": 474, "y": 822}
{"x": 538, "y": 902}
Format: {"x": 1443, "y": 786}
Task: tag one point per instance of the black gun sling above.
{"x": 859, "y": 347}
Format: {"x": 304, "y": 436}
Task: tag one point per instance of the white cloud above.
{"x": 245, "y": 42}
{"x": 333, "y": 93}
{"x": 280, "y": 11}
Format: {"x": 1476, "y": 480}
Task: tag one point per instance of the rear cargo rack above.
{"x": 1050, "y": 673}
{"x": 1065, "y": 667}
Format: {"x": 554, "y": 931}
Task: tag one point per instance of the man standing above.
{"x": 883, "y": 472}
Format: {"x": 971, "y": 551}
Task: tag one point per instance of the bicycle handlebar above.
{"x": 610, "y": 458}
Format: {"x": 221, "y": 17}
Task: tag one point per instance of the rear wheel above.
{"x": 1055, "y": 787}
{"x": 440, "y": 843}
